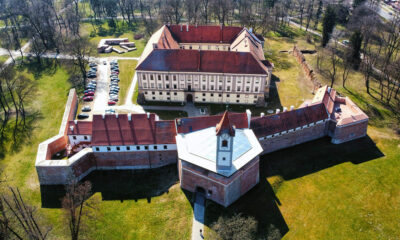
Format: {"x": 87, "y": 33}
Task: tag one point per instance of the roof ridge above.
{"x": 225, "y": 124}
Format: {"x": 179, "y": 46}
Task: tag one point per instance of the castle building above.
{"x": 218, "y": 155}
{"x": 210, "y": 64}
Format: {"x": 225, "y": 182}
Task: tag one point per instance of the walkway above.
{"x": 101, "y": 96}
{"x": 198, "y": 217}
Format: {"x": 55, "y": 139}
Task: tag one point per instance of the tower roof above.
{"x": 225, "y": 125}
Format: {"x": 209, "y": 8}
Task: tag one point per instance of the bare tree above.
{"x": 75, "y": 204}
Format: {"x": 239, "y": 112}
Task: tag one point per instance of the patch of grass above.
{"x": 168, "y": 215}
{"x": 169, "y": 115}
{"x": 135, "y": 94}
{"x": 3, "y": 58}
{"x": 127, "y": 71}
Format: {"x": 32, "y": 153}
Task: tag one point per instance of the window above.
{"x": 209, "y": 192}
{"x": 220, "y": 95}
{"x": 255, "y": 96}
{"x": 190, "y": 47}
{"x": 228, "y": 88}
{"x": 175, "y": 94}
{"x": 137, "y": 147}
{"x": 166, "y": 77}
{"x": 174, "y": 77}
{"x": 145, "y": 93}
{"x": 204, "y": 99}
{"x": 159, "y": 77}
{"x": 212, "y": 87}
{"x": 74, "y": 137}
{"x": 118, "y": 148}
{"x": 144, "y": 77}
{"x": 153, "y": 93}
{"x": 165, "y": 147}
{"x": 204, "y": 94}
{"x": 152, "y": 85}
{"x": 212, "y": 94}
{"x": 238, "y": 89}
{"x": 151, "y": 77}
{"x": 128, "y": 148}
{"x": 168, "y": 93}
{"x": 220, "y": 88}
{"x": 154, "y": 98}
{"x": 204, "y": 87}
{"x": 160, "y": 93}
{"x": 256, "y": 89}
{"x": 85, "y": 137}
{"x": 174, "y": 86}
{"x": 145, "y": 85}
{"x": 97, "y": 149}
{"x": 155, "y": 147}
{"x": 247, "y": 89}
{"x": 237, "y": 101}
{"x": 146, "y": 147}
{"x": 167, "y": 86}
{"x": 238, "y": 95}
{"x": 108, "y": 149}
{"x": 168, "y": 98}
{"x": 227, "y": 95}
{"x": 159, "y": 85}
{"x": 224, "y": 143}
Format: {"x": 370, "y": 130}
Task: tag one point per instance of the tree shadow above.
{"x": 317, "y": 155}
{"x": 47, "y": 66}
{"x": 119, "y": 185}
{"x": 261, "y": 203}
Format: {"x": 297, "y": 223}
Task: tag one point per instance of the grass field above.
{"x": 318, "y": 190}
{"x": 127, "y": 70}
{"x": 164, "y": 213}
{"x": 3, "y": 58}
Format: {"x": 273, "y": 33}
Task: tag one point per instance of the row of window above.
{"x": 203, "y": 77}
{"x": 84, "y": 137}
{"x": 204, "y": 87}
{"x": 291, "y": 130}
{"x": 225, "y": 48}
{"x": 204, "y": 94}
{"x": 129, "y": 148}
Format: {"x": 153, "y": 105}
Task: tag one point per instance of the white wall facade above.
{"x": 76, "y": 139}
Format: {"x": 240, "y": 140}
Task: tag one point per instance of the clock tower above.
{"x": 225, "y": 134}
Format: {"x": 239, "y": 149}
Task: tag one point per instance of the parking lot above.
{"x": 103, "y": 80}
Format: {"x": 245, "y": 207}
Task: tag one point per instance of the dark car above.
{"x": 89, "y": 94}
{"x": 83, "y": 116}
{"x": 88, "y": 98}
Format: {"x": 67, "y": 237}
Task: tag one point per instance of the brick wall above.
{"x": 349, "y": 132}
{"x": 294, "y": 138}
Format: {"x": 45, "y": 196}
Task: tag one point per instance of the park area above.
{"x": 316, "y": 190}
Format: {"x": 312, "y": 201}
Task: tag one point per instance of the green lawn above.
{"x": 3, "y": 58}
{"x": 319, "y": 190}
{"x": 87, "y": 28}
{"x": 167, "y": 215}
{"x": 127, "y": 70}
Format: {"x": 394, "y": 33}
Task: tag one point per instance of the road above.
{"x": 101, "y": 96}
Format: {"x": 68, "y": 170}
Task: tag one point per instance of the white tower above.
{"x": 225, "y": 134}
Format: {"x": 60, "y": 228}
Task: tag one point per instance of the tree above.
{"x": 18, "y": 219}
{"x": 318, "y": 14}
{"x": 236, "y": 227}
{"x": 355, "y": 46}
{"x": 357, "y": 3}
{"x": 328, "y": 24}
{"x": 81, "y": 50}
{"x": 74, "y": 204}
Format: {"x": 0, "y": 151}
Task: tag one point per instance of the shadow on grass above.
{"x": 260, "y": 203}
{"x": 47, "y": 66}
{"x": 119, "y": 185}
{"x": 317, "y": 155}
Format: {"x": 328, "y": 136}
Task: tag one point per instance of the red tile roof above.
{"x": 80, "y": 128}
{"x": 202, "y": 61}
{"x": 284, "y": 121}
{"x": 204, "y": 34}
{"x": 185, "y": 125}
{"x": 167, "y": 41}
{"x": 225, "y": 125}
{"x": 141, "y": 130}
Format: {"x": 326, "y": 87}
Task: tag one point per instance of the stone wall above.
{"x": 308, "y": 71}
{"x": 294, "y": 138}
{"x": 349, "y": 132}
{"x": 220, "y": 189}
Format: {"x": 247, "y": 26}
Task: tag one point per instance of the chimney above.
{"x": 278, "y": 111}
{"x": 148, "y": 115}
{"x": 72, "y": 128}
{"x": 187, "y": 27}
{"x": 196, "y": 25}
{"x": 329, "y": 89}
{"x": 76, "y": 122}
{"x": 262, "y": 114}
{"x": 248, "y": 112}
{"x": 129, "y": 116}
{"x": 116, "y": 115}
{"x": 221, "y": 26}
{"x": 181, "y": 27}
{"x": 284, "y": 109}
{"x": 157, "y": 118}
{"x": 306, "y": 104}
{"x": 155, "y": 46}
{"x": 103, "y": 115}
{"x": 291, "y": 108}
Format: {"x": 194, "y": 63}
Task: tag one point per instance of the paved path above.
{"x": 129, "y": 96}
{"x": 198, "y": 217}
{"x": 101, "y": 96}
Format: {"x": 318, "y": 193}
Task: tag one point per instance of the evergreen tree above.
{"x": 328, "y": 23}
{"x": 357, "y": 3}
{"x": 318, "y": 14}
{"x": 355, "y": 44}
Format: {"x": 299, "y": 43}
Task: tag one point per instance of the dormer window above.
{"x": 224, "y": 143}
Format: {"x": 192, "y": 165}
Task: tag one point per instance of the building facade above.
{"x": 210, "y": 64}
{"x": 218, "y": 155}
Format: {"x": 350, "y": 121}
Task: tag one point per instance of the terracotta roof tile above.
{"x": 112, "y": 131}
{"x": 80, "y": 128}
{"x": 204, "y": 34}
{"x": 202, "y": 61}
{"x": 284, "y": 121}
{"x": 185, "y": 125}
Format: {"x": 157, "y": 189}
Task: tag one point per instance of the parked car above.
{"x": 88, "y": 90}
{"x": 110, "y": 110}
{"x": 105, "y": 62}
{"x": 86, "y": 109}
{"x": 88, "y": 98}
{"x": 111, "y": 102}
{"x": 92, "y": 75}
{"x": 83, "y": 116}
{"x": 92, "y": 64}
{"x": 89, "y": 94}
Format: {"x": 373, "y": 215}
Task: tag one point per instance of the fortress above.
{"x": 218, "y": 155}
